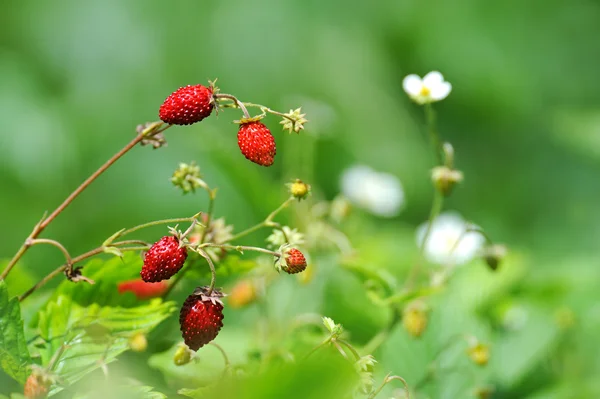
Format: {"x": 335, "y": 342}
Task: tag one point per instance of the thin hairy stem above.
{"x": 213, "y": 273}
{"x": 268, "y": 222}
{"x": 386, "y": 381}
{"x": 316, "y": 348}
{"x": 46, "y": 221}
{"x": 57, "y": 244}
{"x": 223, "y": 353}
{"x": 434, "y": 138}
{"x": 350, "y": 348}
{"x": 96, "y": 251}
{"x": 240, "y": 248}
{"x": 155, "y": 223}
{"x": 238, "y": 103}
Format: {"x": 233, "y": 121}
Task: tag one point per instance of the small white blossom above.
{"x": 379, "y": 193}
{"x": 448, "y": 243}
{"x": 277, "y": 238}
{"x": 430, "y": 89}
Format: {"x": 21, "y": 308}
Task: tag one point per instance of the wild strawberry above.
{"x": 163, "y": 260}
{"x": 257, "y": 143}
{"x": 36, "y": 386}
{"x": 201, "y": 317}
{"x": 142, "y": 289}
{"x": 295, "y": 262}
{"x": 187, "y": 105}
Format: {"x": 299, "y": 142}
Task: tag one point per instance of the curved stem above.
{"x": 46, "y": 221}
{"x": 59, "y": 270}
{"x": 316, "y": 348}
{"x": 386, "y": 381}
{"x": 155, "y": 223}
{"x": 234, "y": 99}
{"x": 57, "y": 244}
{"x": 240, "y": 248}
{"x": 220, "y": 348}
{"x": 213, "y": 272}
{"x": 268, "y": 222}
{"x": 350, "y": 348}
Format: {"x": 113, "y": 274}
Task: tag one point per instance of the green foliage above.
{"x": 76, "y": 340}
{"x": 106, "y": 274}
{"x": 14, "y": 356}
{"x": 327, "y": 375}
{"x": 123, "y": 391}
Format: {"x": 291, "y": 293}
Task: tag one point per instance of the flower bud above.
{"x": 414, "y": 318}
{"x": 493, "y": 255}
{"x": 479, "y": 353}
{"x": 483, "y": 392}
{"x": 299, "y": 189}
{"x": 444, "y": 179}
{"x": 187, "y": 177}
{"x": 138, "y": 342}
{"x": 182, "y": 356}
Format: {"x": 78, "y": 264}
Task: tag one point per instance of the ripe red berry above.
{"x": 163, "y": 260}
{"x": 142, "y": 289}
{"x": 201, "y": 317}
{"x": 187, "y": 105}
{"x": 36, "y": 387}
{"x": 257, "y": 143}
{"x": 295, "y": 262}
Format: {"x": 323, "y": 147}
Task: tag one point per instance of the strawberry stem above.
{"x": 80, "y": 258}
{"x": 233, "y": 98}
{"x": 39, "y": 228}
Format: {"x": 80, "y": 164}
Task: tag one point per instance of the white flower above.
{"x": 430, "y": 89}
{"x": 277, "y": 238}
{"x": 379, "y": 193}
{"x": 448, "y": 243}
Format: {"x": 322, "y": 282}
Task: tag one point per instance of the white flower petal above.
{"x": 440, "y": 91}
{"x": 447, "y": 243}
{"x": 379, "y": 193}
{"x": 432, "y": 79}
{"x": 412, "y": 85}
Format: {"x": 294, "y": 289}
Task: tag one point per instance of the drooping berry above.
{"x": 142, "y": 289}
{"x": 295, "y": 262}
{"x": 257, "y": 143}
{"x": 163, "y": 260}
{"x": 187, "y": 105}
{"x": 201, "y": 317}
{"x": 36, "y": 387}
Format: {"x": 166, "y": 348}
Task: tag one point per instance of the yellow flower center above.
{"x": 425, "y": 92}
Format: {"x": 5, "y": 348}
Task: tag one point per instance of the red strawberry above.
{"x": 36, "y": 387}
{"x": 163, "y": 260}
{"x": 257, "y": 143}
{"x": 201, "y": 317}
{"x": 187, "y": 105}
{"x": 295, "y": 262}
{"x": 143, "y": 290}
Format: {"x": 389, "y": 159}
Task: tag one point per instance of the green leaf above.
{"x": 76, "y": 340}
{"x": 107, "y": 274}
{"x": 14, "y": 356}
{"x": 123, "y": 391}
{"x": 327, "y": 375}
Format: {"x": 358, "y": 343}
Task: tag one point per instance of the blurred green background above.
{"x": 524, "y": 117}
